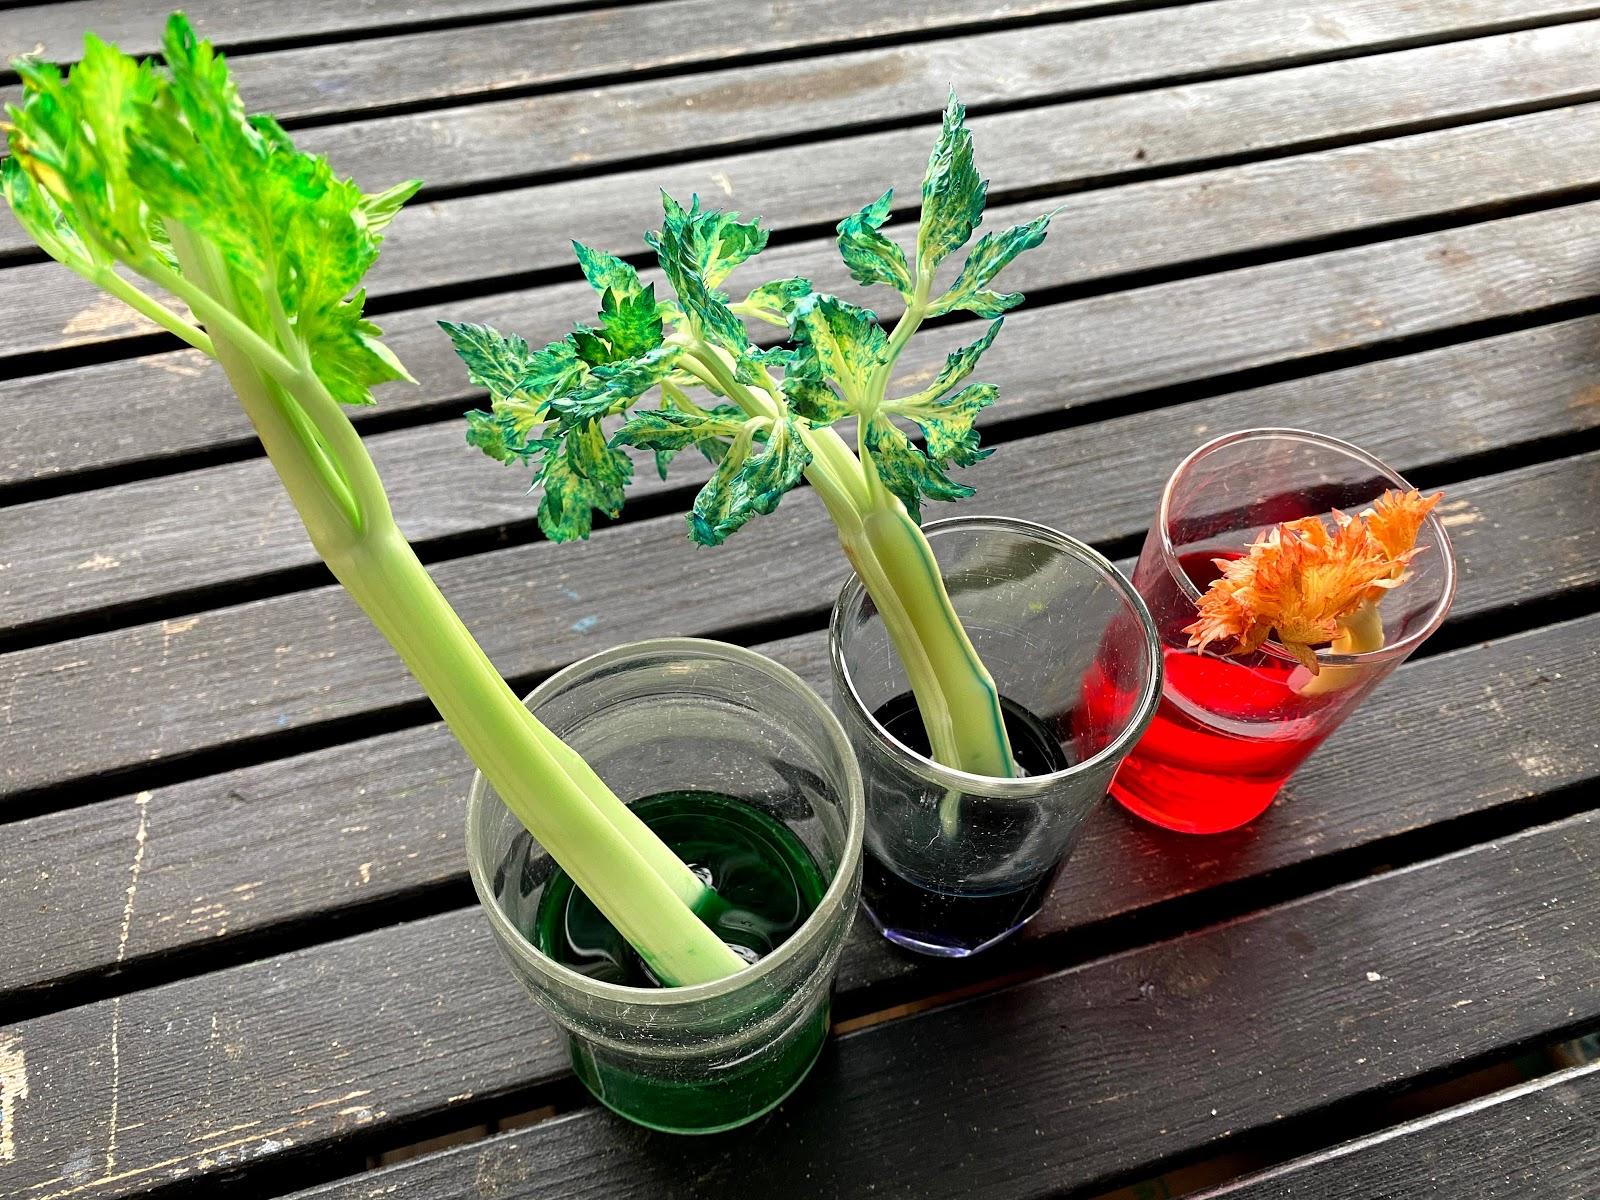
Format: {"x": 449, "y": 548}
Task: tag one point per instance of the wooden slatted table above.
{"x": 240, "y": 955}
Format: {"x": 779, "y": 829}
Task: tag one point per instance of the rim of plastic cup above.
{"x": 1395, "y": 649}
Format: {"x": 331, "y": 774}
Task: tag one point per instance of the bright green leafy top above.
{"x": 107, "y": 161}
{"x": 568, "y": 410}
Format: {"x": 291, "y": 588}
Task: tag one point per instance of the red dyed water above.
{"x": 1227, "y": 734}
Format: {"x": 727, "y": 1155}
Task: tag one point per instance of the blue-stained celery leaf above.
{"x": 749, "y": 481}
{"x": 870, "y": 256}
{"x": 809, "y": 396}
{"x": 583, "y": 474}
{"x": 631, "y": 321}
{"x": 680, "y": 248}
{"x": 992, "y": 254}
{"x": 957, "y": 366}
{"x": 952, "y": 194}
{"x": 672, "y": 429}
{"x": 841, "y": 343}
{"x": 906, "y": 471}
{"x": 947, "y": 423}
{"x": 510, "y": 372}
{"x": 774, "y": 302}
{"x": 614, "y": 387}
{"x": 606, "y": 271}
{"x": 497, "y": 434}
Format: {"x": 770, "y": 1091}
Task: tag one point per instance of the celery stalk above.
{"x": 163, "y": 173}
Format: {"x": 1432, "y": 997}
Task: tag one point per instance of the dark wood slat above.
{"x": 480, "y": 143}
{"x": 54, "y": 32}
{"x": 1535, "y": 1140}
{"x": 545, "y": 51}
{"x": 1064, "y": 1082}
{"x": 331, "y": 1043}
{"x": 257, "y": 669}
{"x": 93, "y": 550}
{"x": 454, "y": 241}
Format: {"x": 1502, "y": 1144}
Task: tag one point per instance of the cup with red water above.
{"x": 1231, "y": 729}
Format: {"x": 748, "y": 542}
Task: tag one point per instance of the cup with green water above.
{"x": 746, "y": 774}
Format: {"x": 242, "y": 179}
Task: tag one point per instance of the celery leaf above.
{"x": 748, "y": 482}
{"x": 870, "y": 256}
{"x": 839, "y": 342}
{"x": 952, "y": 194}
{"x": 993, "y": 253}
{"x": 906, "y": 471}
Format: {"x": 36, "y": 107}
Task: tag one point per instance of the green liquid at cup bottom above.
{"x": 766, "y": 884}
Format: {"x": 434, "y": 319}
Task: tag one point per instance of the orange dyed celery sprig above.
{"x": 1306, "y": 585}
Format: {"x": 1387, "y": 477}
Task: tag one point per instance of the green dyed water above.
{"x": 766, "y": 884}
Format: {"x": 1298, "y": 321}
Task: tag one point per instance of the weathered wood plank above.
{"x": 1535, "y": 1140}
{"x": 549, "y": 51}
{"x": 204, "y": 528}
{"x": 54, "y": 32}
{"x": 450, "y": 242}
{"x": 1058, "y": 1084}
{"x": 372, "y": 1031}
{"x": 257, "y": 669}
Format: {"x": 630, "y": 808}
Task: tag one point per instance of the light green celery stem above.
{"x": 633, "y": 878}
{"x": 508, "y": 745}
{"x": 955, "y": 693}
{"x": 108, "y": 280}
{"x": 962, "y": 693}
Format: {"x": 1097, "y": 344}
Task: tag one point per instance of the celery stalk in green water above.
{"x": 158, "y": 171}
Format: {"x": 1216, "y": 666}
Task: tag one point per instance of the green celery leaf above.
{"x": 748, "y": 483}
{"x": 380, "y": 208}
{"x": 581, "y": 475}
{"x": 993, "y": 253}
{"x": 839, "y": 342}
{"x": 631, "y": 321}
{"x": 870, "y": 256}
{"x": 907, "y": 471}
{"x": 73, "y": 136}
{"x": 44, "y": 220}
{"x": 776, "y": 300}
{"x": 606, "y": 272}
{"x": 293, "y": 237}
{"x": 952, "y": 194}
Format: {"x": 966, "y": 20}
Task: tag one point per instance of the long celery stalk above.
{"x": 162, "y": 173}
